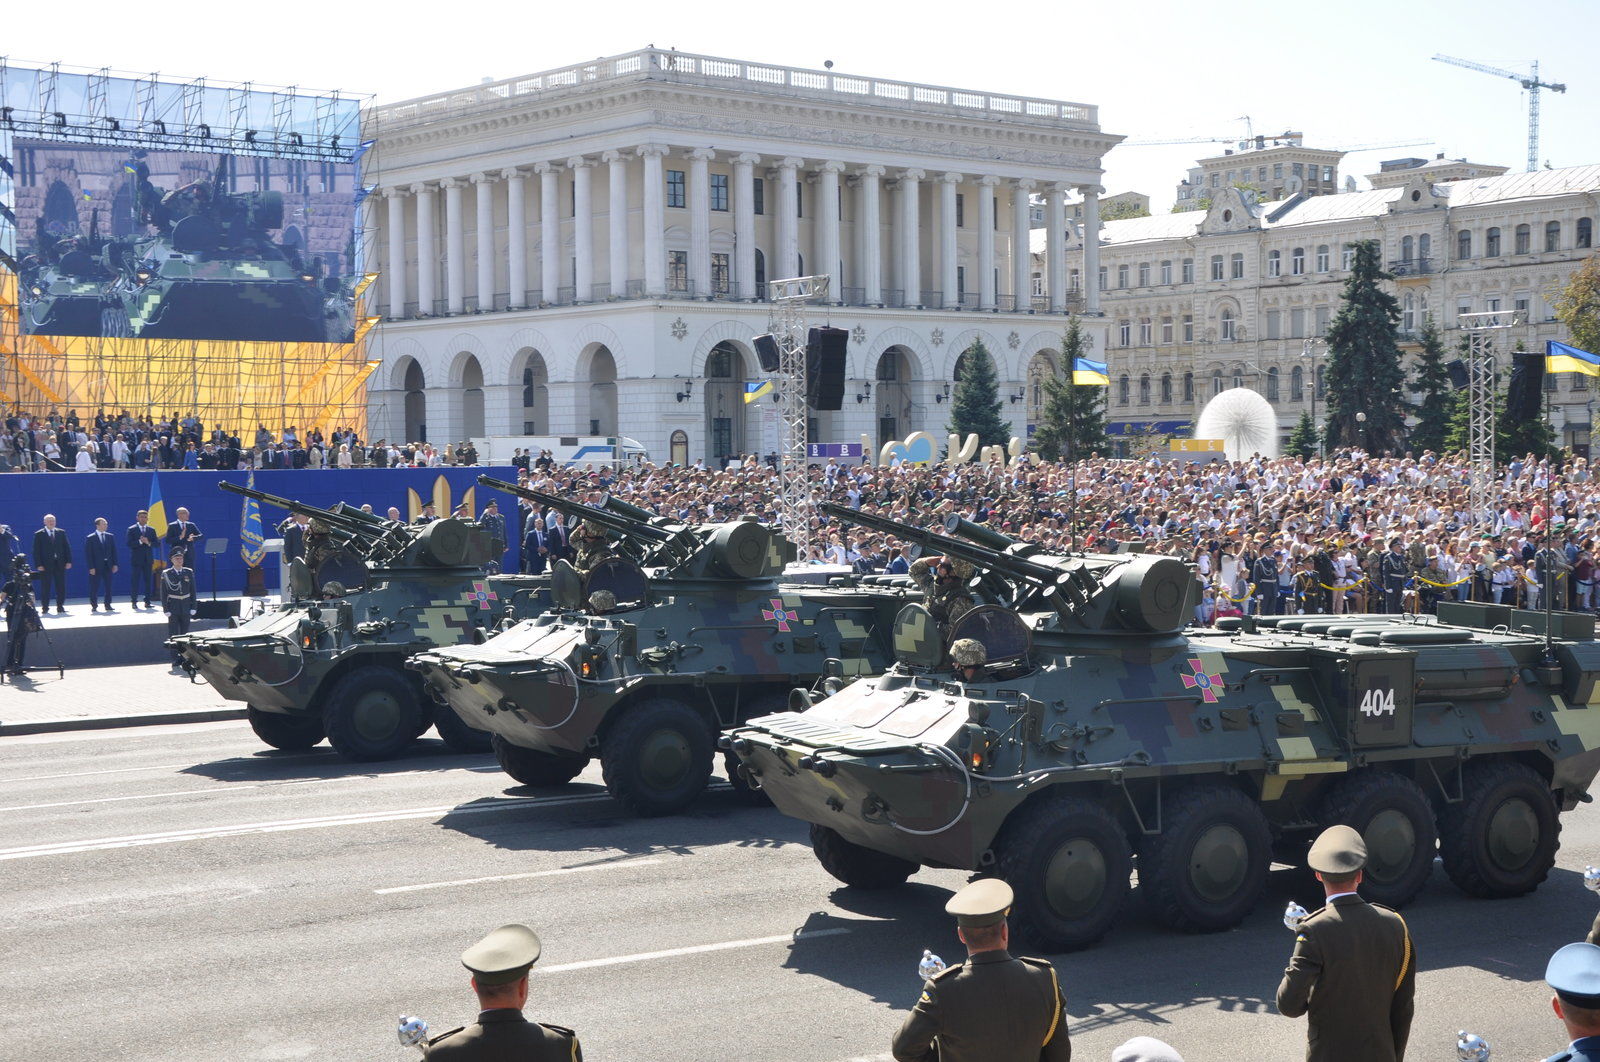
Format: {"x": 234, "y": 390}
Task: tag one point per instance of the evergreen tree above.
{"x": 1303, "y": 440}
{"x": 1533, "y": 435}
{"x": 1073, "y": 421}
{"x": 1364, "y": 373}
{"x": 1578, "y": 307}
{"x": 1432, "y": 384}
{"x": 975, "y": 406}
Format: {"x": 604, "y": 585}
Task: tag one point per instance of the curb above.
{"x": 111, "y": 722}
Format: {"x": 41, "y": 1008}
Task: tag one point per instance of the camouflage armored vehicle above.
{"x": 62, "y": 283}
{"x": 648, "y": 651}
{"x": 368, "y": 593}
{"x": 1097, "y": 729}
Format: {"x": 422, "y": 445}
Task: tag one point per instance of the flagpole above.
{"x": 1549, "y": 537}
{"x": 1072, "y": 454}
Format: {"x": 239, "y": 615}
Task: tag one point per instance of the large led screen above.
{"x": 133, "y": 242}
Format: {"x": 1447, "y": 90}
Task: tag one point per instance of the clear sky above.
{"x": 1358, "y": 72}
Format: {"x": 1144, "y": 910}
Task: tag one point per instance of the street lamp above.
{"x": 1306, "y": 352}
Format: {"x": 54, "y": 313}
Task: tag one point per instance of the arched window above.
{"x": 1124, "y": 385}
{"x": 1166, "y": 388}
{"x": 1585, "y": 232}
{"x": 1216, "y": 382}
{"x": 1424, "y": 248}
{"x": 761, "y": 279}
{"x": 1144, "y": 389}
{"x": 1324, "y": 259}
{"x": 1491, "y": 243}
{"x": 1297, "y": 261}
{"x": 1216, "y": 267}
{"x": 1272, "y": 385}
{"x": 1274, "y": 263}
{"x": 1464, "y": 244}
{"x": 1236, "y": 266}
{"x": 1524, "y": 239}
{"x": 1238, "y": 378}
{"x": 1297, "y": 384}
{"x": 678, "y": 448}
{"x": 1226, "y": 329}
{"x": 1408, "y": 248}
{"x": 1552, "y": 236}
{"x": 1188, "y": 387}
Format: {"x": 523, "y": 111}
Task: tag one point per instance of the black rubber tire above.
{"x": 1197, "y": 822}
{"x": 291, "y": 733}
{"x": 858, "y": 867}
{"x": 372, "y": 713}
{"x": 1068, "y": 861}
{"x": 656, "y": 758}
{"x": 747, "y": 793}
{"x": 535, "y": 767}
{"x": 1393, "y": 816}
{"x": 457, "y": 734}
{"x": 1509, "y": 797}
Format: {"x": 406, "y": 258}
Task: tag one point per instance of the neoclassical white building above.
{"x": 586, "y": 250}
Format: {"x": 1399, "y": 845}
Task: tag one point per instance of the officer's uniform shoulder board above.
{"x": 948, "y": 971}
{"x": 559, "y": 1030}
{"x": 445, "y": 1035}
{"x": 1383, "y": 907}
{"x": 1563, "y": 1056}
{"x": 1043, "y": 964}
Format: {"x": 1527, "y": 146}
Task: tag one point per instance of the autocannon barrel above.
{"x": 984, "y": 557}
{"x": 626, "y": 526}
{"x": 628, "y": 509}
{"x": 363, "y": 529}
{"x": 983, "y": 536}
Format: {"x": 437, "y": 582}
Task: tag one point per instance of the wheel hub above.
{"x": 664, "y": 759}
{"x": 1391, "y": 844}
{"x": 1513, "y": 834}
{"x": 1219, "y": 863}
{"x": 1075, "y": 878}
{"x": 376, "y": 716}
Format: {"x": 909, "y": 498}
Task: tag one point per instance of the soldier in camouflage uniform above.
{"x": 592, "y": 545}
{"x": 969, "y": 656}
{"x": 943, "y": 582}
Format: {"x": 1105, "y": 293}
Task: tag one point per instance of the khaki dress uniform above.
{"x": 503, "y": 1034}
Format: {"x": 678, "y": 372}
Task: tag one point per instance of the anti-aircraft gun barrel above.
{"x": 674, "y": 546}
{"x": 983, "y": 536}
{"x": 617, "y": 505}
{"x": 366, "y": 532}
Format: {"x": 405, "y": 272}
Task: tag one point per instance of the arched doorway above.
{"x": 678, "y": 448}
{"x": 724, "y": 391}
{"x": 416, "y": 403}
{"x": 535, "y": 381}
{"x": 1041, "y": 368}
{"x": 893, "y": 374}
{"x": 60, "y": 211}
{"x": 471, "y": 399}
{"x": 602, "y": 392}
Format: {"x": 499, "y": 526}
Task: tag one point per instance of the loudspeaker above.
{"x": 766, "y": 352}
{"x": 1526, "y": 390}
{"x": 825, "y": 367}
{"x": 1458, "y": 373}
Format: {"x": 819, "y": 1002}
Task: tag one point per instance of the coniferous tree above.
{"x": 1303, "y": 440}
{"x": 1073, "y": 421}
{"x": 975, "y": 406}
{"x": 1364, "y": 373}
{"x": 1432, "y": 384}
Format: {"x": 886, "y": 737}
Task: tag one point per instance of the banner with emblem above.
{"x": 252, "y": 542}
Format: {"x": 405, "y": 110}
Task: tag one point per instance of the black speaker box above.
{"x": 766, "y": 352}
{"x": 1458, "y": 373}
{"x": 1526, "y": 390}
{"x": 825, "y": 367}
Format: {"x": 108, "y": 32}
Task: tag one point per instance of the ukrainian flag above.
{"x": 155, "y": 507}
{"x": 753, "y": 391}
{"x": 252, "y": 542}
{"x": 1086, "y": 373}
{"x": 1559, "y": 357}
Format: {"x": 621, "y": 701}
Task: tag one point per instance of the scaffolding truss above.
{"x": 794, "y": 504}
{"x": 1483, "y": 376}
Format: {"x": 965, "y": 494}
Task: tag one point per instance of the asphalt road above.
{"x": 182, "y": 893}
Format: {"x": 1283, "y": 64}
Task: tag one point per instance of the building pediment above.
{"x": 1417, "y": 194}
{"x": 1231, "y": 210}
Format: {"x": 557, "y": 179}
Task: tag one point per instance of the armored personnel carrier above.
{"x": 368, "y": 593}
{"x": 62, "y": 283}
{"x": 1098, "y": 730}
{"x": 648, "y": 651}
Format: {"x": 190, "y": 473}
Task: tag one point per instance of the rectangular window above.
{"x": 1188, "y": 328}
{"x": 1074, "y": 280}
{"x": 719, "y": 191}
{"x": 1166, "y": 330}
{"x": 677, "y": 196}
{"x": 1188, "y": 271}
{"x": 1322, "y": 320}
{"x": 996, "y": 212}
{"x": 961, "y": 210}
{"x": 1492, "y": 304}
{"x": 1216, "y": 180}
{"x": 1274, "y": 263}
{"x": 677, "y": 270}
{"x": 1144, "y": 274}
{"x": 1038, "y": 285}
{"x": 961, "y": 281}
{"x": 1122, "y": 276}
{"x": 719, "y": 273}
{"x": 799, "y": 199}
{"x": 1146, "y": 328}
{"x": 1463, "y": 305}
{"x": 1277, "y": 171}
{"x": 1166, "y": 271}
{"x": 1327, "y": 174}
{"x": 1322, "y": 258}
{"x": 1237, "y": 267}
{"x": 1124, "y": 333}
{"x": 1104, "y": 273}
{"x": 1297, "y": 324}
{"x": 1521, "y": 304}
{"x": 1272, "y": 324}
{"x": 1297, "y": 261}
{"x": 1299, "y": 169}
{"x": 1216, "y": 267}
{"x": 1348, "y": 259}
{"x": 759, "y": 195}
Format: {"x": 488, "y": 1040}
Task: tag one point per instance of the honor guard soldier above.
{"x": 1574, "y": 973}
{"x": 1354, "y": 967}
{"x": 499, "y": 965}
{"x": 994, "y": 1007}
{"x": 177, "y": 600}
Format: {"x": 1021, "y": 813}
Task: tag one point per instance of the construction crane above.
{"x": 1245, "y": 144}
{"x": 1530, "y": 83}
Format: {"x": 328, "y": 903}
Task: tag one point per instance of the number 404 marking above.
{"x": 1378, "y": 702}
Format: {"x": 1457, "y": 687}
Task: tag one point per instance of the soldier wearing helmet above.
{"x": 943, "y": 582}
{"x": 589, "y": 539}
{"x": 969, "y": 656}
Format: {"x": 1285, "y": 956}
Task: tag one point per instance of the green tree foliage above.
{"x": 1434, "y": 396}
{"x": 1578, "y": 306}
{"x": 1303, "y": 440}
{"x": 1364, "y": 373}
{"x": 1533, "y": 435}
{"x": 975, "y": 406}
{"x": 1073, "y": 421}
{"x": 1122, "y": 211}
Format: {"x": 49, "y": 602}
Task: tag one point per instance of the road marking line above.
{"x": 86, "y": 774}
{"x": 518, "y": 877}
{"x": 139, "y": 796}
{"x": 698, "y": 949}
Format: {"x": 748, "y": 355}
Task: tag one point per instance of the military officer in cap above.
{"x": 994, "y": 1007}
{"x": 1574, "y": 973}
{"x": 1354, "y": 968}
{"x": 499, "y": 965}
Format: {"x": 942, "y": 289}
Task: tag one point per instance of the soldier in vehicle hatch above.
{"x": 943, "y": 582}
{"x": 589, "y": 539}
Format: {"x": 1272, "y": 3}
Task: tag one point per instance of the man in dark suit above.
{"x": 1354, "y": 969}
{"x": 535, "y": 548}
{"x": 556, "y": 537}
{"x": 100, "y": 551}
{"x": 499, "y": 965}
{"x": 181, "y": 534}
{"x": 53, "y": 554}
{"x": 142, "y": 545}
{"x": 293, "y": 531}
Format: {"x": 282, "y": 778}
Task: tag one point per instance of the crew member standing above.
{"x": 100, "y": 552}
{"x": 1574, "y": 973}
{"x": 495, "y": 524}
{"x": 499, "y": 965}
{"x": 993, "y": 1007}
{"x": 177, "y": 599}
{"x": 142, "y": 545}
{"x": 53, "y": 554}
{"x": 1354, "y": 968}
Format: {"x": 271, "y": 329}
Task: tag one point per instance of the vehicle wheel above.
{"x": 1393, "y": 816}
{"x": 114, "y": 322}
{"x": 858, "y": 867}
{"x": 292, "y": 733}
{"x": 657, "y": 757}
{"x": 1069, "y": 862}
{"x": 1207, "y": 867}
{"x": 372, "y": 713}
{"x": 456, "y": 733}
{"x": 535, "y": 767}
{"x": 1501, "y": 839}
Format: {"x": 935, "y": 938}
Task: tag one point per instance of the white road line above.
{"x": 622, "y": 865}
{"x": 698, "y": 949}
{"x": 138, "y": 796}
{"x": 87, "y": 774}
{"x": 290, "y": 825}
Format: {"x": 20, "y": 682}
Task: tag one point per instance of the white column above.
{"x": 484, "y": 184}
{"x": 700, "y": 222}
{"x": 427, "y": 254}
{"x": 744, "y": 226}
{"x": 549, "y": 231}
{"x": 455, "y": 247}
{"x": 655, "y": 221}
{"x": 828, "y": 231}
{"x": 617, "y": 216}
{"x": 396, "y": 237}
{"x": 1091, "y": 248}
{"x": 786, "y": 263}
{"x": 871, "y": 227}
{"x": 986, "y": 284}
{"x": 516, "y": 238}
{"x": 582, "y": 227}
{"x": 1022, "y": 245}
{"x": 947, "y": 238}
{"x": 1055, "y": 216}
{"x": 910, "y": 272}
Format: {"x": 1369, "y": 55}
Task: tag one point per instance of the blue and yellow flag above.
{"x": 753, "y": 391}
{"x": 1559, "y": 357}
{"x": 155, "y": 507}
{"x": 1086, "y": 373}
{"x": 252, "y": 543}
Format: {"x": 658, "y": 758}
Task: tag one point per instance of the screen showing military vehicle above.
{"x": 131, "y": 242}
